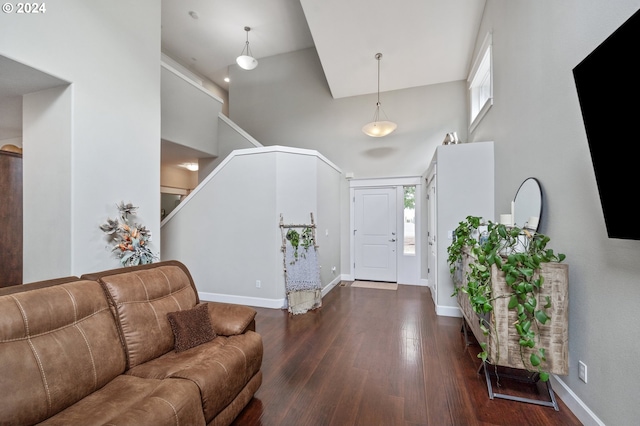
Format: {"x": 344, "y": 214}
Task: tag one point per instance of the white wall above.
{"x": 110, "y": 53}
{"x": 227, "y": 230}
{"x": 328, "y": 220}
{"x": 220, "y": 230}
{"x": 537, "y": 128}
{"x": 189, "y": 112}
{"x": 230, "y": 137}
{"x": 47, "y": 185}
{"x": 218, "y": 91}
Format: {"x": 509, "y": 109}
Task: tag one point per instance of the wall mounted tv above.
{"x": 609, "y": 95}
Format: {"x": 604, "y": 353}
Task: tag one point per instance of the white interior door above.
{"x": 432, "y": 268}
{"x": 375, "y": 239}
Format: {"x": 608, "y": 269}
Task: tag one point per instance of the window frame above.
{"x": 481, "y": 72}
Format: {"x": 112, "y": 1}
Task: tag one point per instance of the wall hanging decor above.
{"x": 301, "y": 269}
{"x": 129, "y": 240}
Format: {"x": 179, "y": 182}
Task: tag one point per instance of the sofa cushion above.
{"x": 57, "y": 345}
{"x": 129, "y": 400}
{"x": 221, "y": 368}
{"x": 141, "y": 299}
{"x": 191, "y": 327}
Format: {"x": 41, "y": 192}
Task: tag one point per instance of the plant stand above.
{"x": 531, "y": 378}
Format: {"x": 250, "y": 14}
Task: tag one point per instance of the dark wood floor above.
{"x": 379, "y": 357}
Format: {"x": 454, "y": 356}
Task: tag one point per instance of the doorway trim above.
{"x": 408, "y": 267}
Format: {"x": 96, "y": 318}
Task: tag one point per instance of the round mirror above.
{"x": 527, "y": 205}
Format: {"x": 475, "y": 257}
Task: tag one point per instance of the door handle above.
{"x": 393, "y": 240}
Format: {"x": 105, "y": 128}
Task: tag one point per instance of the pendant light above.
{"x": 378, "y": 128}
{"x": 246, "y": 61}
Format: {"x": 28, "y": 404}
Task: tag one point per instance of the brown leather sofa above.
{"x": 125, "y": 347}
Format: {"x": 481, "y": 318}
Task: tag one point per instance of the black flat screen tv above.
{"x": 609, "y": 96}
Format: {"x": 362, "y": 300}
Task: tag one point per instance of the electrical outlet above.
{"x": 582, "y": 371}
{"x": 258, "y": 284}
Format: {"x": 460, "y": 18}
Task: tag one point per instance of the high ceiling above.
{"x": 423, "y": 42}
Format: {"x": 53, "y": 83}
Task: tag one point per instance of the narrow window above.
{"x": 409, "y": 220}
{"x": 481, "y": 84}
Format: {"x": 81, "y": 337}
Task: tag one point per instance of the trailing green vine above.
{"x": 518, "y": 253}
{"x": 304, "y": 239}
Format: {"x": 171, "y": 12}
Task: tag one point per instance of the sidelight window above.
{"x": 409, "y": 220}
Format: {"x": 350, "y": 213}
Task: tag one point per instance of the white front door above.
{"x": 375, "y": 238}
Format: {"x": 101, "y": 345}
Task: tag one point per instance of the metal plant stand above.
{"x": 531, "y": 378}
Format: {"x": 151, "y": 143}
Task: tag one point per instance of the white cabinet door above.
{"x": 432, "y": 256}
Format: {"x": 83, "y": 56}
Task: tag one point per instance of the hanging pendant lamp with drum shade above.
{"x": 379, "y": 128}
{"x": 246, "y": 61}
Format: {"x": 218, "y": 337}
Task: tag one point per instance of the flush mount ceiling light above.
{"x": 379, "y": 128}
{"x": 193, "y": 167}
{"x": 246, "y": 60}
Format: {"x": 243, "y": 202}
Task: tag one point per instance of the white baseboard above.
{"x": 347, "y": 277}
{"x": 575, "y": 404}
{"x": 331, "y": 285}
{"x": 448, "y": 311}
{"x": 260, "y": 302}
{"x": 244, "y": 300}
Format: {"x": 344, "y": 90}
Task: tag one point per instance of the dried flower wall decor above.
{"x": 130, "y": 240}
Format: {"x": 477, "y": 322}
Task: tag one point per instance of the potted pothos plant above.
{"x": 519, "y": 254}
